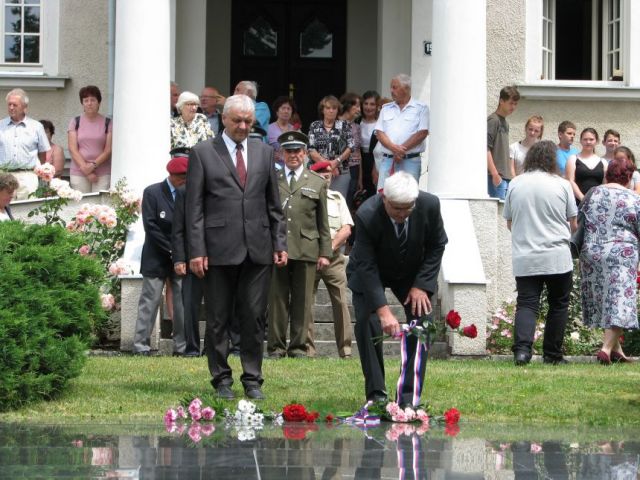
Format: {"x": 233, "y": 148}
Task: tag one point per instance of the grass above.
{"x": 138, "y": 390}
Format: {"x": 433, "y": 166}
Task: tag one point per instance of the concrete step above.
{"x": 325, "y": 348}
{"x": 322, "y": 296}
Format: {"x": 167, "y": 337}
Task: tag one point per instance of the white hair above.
{"x": 18, "y": 92}
{"x": 241, "y": 103}
{"x": 250, "y": 88}
{"x": 403, "y": 79}
{"x": 187, "y": 97}
{"x": 401, "y": 188}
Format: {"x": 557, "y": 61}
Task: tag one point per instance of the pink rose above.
{"x": 170, "y": 416}
{"x": 196, "y": 402}
{"x": 410, "y": 413}
{"x": 422, "y": 416}
{"x": 107, "y": 301}
{"x": 84, "y": 250}
{"x": 400, "y": 416}
{"x": 392, "y": 408}
{"x": 208, "y": 413}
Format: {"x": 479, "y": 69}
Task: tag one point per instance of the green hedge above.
{"x": 49, "y": 306}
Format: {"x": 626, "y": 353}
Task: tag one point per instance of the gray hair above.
{"x": 241, "y": 103}
{"x": 401, "y": 187}
{"x": 403, "y": 79}
{"x": 8, "y": 182}
{"x": 187, "y": 97}
{"x": 18, "y": 92}
{"x": 250, "y": 88}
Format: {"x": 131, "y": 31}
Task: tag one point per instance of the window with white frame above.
{"x": 22, "y": 32}
{"x": 548, "y": 38}
{"x": 582, "y": 40}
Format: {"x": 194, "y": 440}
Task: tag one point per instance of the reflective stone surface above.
{"x": 317, "y": 452}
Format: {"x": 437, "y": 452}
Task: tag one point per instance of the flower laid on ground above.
{"x": 453, "y": 319}
{"x": 246, "y": 414}
{"x": 294, "y": 412}
{"x": 451, "y": 416}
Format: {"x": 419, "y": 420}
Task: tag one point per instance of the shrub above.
{"x": 49, "y": 305}
{"x": 578, "y": 339}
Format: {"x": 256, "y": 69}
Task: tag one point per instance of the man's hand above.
{"x": 280, "y": 258}
{"x": 322, "y": 263}
{"x": 420, "y": 304}
{"x": 199, "y": 266}
{"x": 399, "y": 151}
{"x": 388, "y": 321}
{"x": 496, "y": 179}
{"x": 180, "y": 268}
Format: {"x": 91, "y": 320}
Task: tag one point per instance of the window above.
{"x": 22, "y": 31}
{"x": 260, "y": 39}
{"x": 581, "y": 40}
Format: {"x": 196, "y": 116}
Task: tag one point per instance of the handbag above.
{"x": 577, "y": 237}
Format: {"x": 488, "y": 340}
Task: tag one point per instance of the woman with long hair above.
{"x": 586, "y": 169}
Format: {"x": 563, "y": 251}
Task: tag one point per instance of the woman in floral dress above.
{"x": 189, "y": 127}
{"x": 609, "y": 259}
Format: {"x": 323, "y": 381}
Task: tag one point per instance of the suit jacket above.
{"x": 179, "y": 250}
{"x": 375, "y": 263}
{"x": 225, "y": 222}
{"x": 305, "y": 210}
{"x": 157, "y": 218}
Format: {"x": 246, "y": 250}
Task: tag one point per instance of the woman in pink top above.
{"x": 89, "y": 139}
{"x": 55, "y": 156}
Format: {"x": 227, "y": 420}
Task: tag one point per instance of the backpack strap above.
{"x": 77, "y": 123}
{"x": 107, "y": 121}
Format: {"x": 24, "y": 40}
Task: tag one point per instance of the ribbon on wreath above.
{"x": 412, "y": 360}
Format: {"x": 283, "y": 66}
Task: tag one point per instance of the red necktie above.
{"x": 240, "y": 166}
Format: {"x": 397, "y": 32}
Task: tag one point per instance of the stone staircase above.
{"x": 323, "y": 324}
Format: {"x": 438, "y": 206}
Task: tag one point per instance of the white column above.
{"x": 141, "y": 93}
{"x": 458, "y": 133}
{"x": 191, "y": 45}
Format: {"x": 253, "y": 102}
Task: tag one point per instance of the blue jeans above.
{"x": 497, "y": 192}
{"x": 409, "y": 165}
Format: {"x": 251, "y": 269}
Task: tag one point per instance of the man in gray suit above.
{"x": 235, "y": 232}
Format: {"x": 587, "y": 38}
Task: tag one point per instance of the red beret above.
{"x": 321, "y": 166}
{"x": 178, "y": 165}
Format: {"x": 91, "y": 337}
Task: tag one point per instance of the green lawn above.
{"x": 137, "y": 389}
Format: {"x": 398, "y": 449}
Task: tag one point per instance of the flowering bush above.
{"x": 56, "y": 194}
{"x": 578, "y": 340}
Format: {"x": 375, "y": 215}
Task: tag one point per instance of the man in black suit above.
{"x": 192, "y": 286}
{"x": 235, "y": 231}
{"x": 156, "y": 264}
{"x": 400, "y": 244}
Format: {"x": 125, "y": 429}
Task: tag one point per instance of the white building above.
{"x": 573, "y": 60}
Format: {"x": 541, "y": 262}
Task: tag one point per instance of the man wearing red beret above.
{"x": 156, "y": 264}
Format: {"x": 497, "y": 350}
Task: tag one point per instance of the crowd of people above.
{"x": 253, "y": 214}
{"x": 547, "y": 187}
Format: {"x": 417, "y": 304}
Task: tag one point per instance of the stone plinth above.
{"x": 131, "y": 287}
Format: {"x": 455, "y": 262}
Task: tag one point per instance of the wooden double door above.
{"x": 295, "y": 48}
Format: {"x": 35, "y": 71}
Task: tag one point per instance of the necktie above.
{"x": 401, "y": 231}
{"x": 240, "y": 166}
{"x": 292, "y": 180}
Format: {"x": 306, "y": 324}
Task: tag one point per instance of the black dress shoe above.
{"x": 378, "y": 397}
{"x": 555, "y": 361}
{"x": 254, "y": 393}
{"x": 521, "y": 358}
{"x": 225, "y": 392}
{"x": 191, "y": 355}
{"x": 296, "y": 355}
